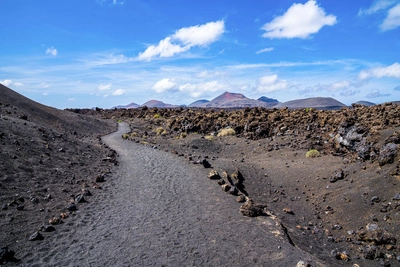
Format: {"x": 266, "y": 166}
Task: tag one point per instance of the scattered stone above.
{"x": 6, "y": 255}
{"x": 214, "y": 175}
{"x": 64, "y": 215}
{"x": 226, "y": 187}
{"x": 288, "y": 211}
{"x": 36, "y": 236}
{"x": 387, "y": 153}
{"x": 47, "y": 228}
{"x": 252, "y": 210}
{"x": 396, "y": 197}
{"x": 86, "y": 192}
{"x": 237, "y": 177}
{"x": 233, "y": 191}
{"x": 241, "y": 199}
{"x": 375, "y": 199}
{"x": 205, "y": 163}
{"x": 4, "y": 207}
{"x": 55, "y": 221}
{"x": 72, "y": 207}
{"x": 100, "y": 178}
{"x": 20, "y": 207}
{"x": 376, "y": 236}
{"x": 303, "y": 264}
{"x": 79, "y": 198}
{"x": 338, "y": 175}
{"x": 221, "y": 182}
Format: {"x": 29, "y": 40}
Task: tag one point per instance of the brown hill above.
{"x": 234, "y": 100}
{"x": 158, "y": 104}
{"x": 130, "y": 105}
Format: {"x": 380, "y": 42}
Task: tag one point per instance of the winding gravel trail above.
{"x": 160, "y": 210}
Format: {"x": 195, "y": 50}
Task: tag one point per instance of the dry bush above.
{"x": 313, "y": 153}
{"x": 209, "y": 137}
{"x": 227, "y": 132}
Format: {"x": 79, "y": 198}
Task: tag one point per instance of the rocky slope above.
{"x": 49, "y": 161}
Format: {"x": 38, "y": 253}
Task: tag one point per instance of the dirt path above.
{"x": 159, "y": 210}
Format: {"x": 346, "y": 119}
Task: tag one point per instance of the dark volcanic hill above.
{"x": 364, "y": 103}
{"x": 234, "y": 100}
{"x": 199, "y": 103}
{"x": 46, "y": 155}
{"x": 130, "y": 105}
{"x": 269, "y": 100}
{"x": 321, "y": 103}
{"x": 158, "y": 104}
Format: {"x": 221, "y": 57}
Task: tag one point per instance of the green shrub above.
{"x": 125, "y": 136}
{"x": 119, "y": 121}
{"x": 157, "y": 116}
{"x": 313, "y": 153}
{"x": 227, "y": 132}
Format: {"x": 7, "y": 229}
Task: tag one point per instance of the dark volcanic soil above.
{"x": 342, "y": 206}
{"x": 47, "y": 157}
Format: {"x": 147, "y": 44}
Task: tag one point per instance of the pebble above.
{"x": 36, "y": 236}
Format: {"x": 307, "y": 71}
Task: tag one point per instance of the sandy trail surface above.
{"x": 160, "y": 210}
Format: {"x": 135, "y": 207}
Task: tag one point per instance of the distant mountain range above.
{"x": 235, "y": 100}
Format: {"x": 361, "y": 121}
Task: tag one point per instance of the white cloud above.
{"x": 51, "y": 51}
{"x": 163, "y": 85}
{"x": 164, "y": 49}
{"x": 200, "y": 35}
{"x": 71, "y": 99}
{"x": 392, "y": 71}
{"x": 197, "y": 90}
{"x": 264, "y": 50}
{"x": 11, "y": 83}
{"x": 392, "y": 20}
{"x": 184, "y": 39}
{"x": 376, "y": 94}
{"x": 104, "y": 87}
{"x": 118, "y": 92}
{"x": 378, "y": 5}
{"x": 299, "y": 21}
{"x": 271, "y": 83}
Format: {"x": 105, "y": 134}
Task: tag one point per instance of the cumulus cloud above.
{"x": 392, "y": 20}
{"x": 392, "y": 71}
{"x": 118, "y": 92}
{"x": 397, "y": 88}
{"x": 299, "y": 21}
{"x": 197, "y": 90}
{"x": 376, "y": 94}
{"x": 265, "y": 50}
{"x": 51, "y": 51}
{"x": 163, "y": 85}
{"x": 11, "y": 83}
{"x": 184, "y": 39}
{"x": 271, "y": 83}
{"x": 104, "y": 87}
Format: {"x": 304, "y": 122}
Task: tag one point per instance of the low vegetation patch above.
{"x": 210, "y": 137}
{"x": 313, "y": 153}
{"x": 160, "y": 131}
{"x": 182, "y": 135}
{"x": 227, "y": 132}
{"x": 157, "y": 116}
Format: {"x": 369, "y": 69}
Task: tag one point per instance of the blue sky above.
{"x": 109, "y": 52}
